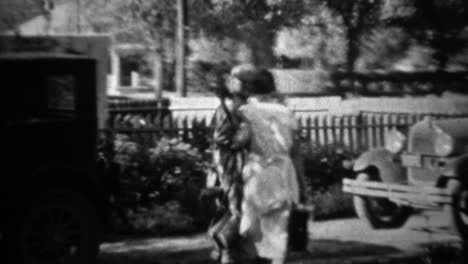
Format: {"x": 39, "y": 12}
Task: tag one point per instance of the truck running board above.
{"x": 418, "y": 196}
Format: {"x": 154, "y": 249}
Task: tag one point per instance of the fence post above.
{"x": 374, "y": 130}
{"x": 316, "y": 130}
{"x": 342, "y": 125}
{"x": 299, "y": 127}
{"x": 308, "y": 129}
{"x": 350, "y": 124}
{"x": 173, "y": 129}
{"x": 325, "y": 127}
{"x": 360, "y": 131}
{"x": 334, "y": 130}
{"x": 383, "y": 128}
{"x": 185, "y": 129}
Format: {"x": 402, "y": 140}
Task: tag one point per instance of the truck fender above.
{"x": 458, "y": 168}
{"x": 390, "y": 170}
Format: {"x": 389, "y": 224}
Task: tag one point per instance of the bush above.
{"x": 165, "y": 219}
{"x": 179, "y": 172}
{"x": 203, "y": 77}
{"x": 160, "y": 186}
{"x": 325, "y": 168}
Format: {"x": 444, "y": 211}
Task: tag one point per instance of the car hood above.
{"x": 455, "y": 127}
{"x": 458, "y": 129}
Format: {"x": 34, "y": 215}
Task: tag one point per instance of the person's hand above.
{"x": 242, "y": 136}
{"x": 225, "y": 134}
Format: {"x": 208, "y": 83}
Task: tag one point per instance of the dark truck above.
{"x": 54, "y": 190}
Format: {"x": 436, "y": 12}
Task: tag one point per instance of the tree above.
{"x": 14, "y": 12}
{"x": 358, "y": 18}
{"x": 383, "y": 48}
{"x": 181, "y": 44}
{"x": 253, "y": 22}
{"x": 318, "y": 36}
{"x": 150, "y": 22}
{"x": 439, "y": 24}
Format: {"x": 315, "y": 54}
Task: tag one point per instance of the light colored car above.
{"x": 427, "y": 170}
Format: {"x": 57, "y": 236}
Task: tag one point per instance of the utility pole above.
{"x": 180, "y": 49}
{"x": 78, "y": 16}
{"x": 47, "y": 7}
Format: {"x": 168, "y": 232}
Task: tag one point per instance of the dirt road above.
{"x": 337, "y": 241}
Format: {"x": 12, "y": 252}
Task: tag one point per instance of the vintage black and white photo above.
{"x": 234, "y": 131}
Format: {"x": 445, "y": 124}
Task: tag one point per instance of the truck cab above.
{"x": 54, "y": 191}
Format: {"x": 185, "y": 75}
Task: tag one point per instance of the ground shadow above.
{"x": 192, "y": 256}
{"x": 195, "y": 250}
{"x": 330, "y": 248}
{"x": 161, "y": 250}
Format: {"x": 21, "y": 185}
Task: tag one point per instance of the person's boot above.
{"x": 229, "y": 233}
{"x": 218, "y": 226}
{"x": 215, "y": 254}
{"x": 213, "y": 233}
{"x": 227, "y": 257}
{"x": 260, "y": 260}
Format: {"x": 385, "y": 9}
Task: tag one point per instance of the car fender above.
{"x": 457, "y": 167}
{"x": 390, "y": 170}
{"x": 28, "y": 185}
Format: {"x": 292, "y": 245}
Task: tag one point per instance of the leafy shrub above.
{"x": 205, "y": 76}
{"x": 165, "y": 219}
{"x": 160, "y": 186}
{"x": 325, "y": 167}
{"x": 136, "y": 176}
{"x": 179, "y": 171}
{"x": 161, "y": 183}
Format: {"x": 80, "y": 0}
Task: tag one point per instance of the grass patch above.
{"x": 159, "y": 220}
{"x": 443, "y": 254}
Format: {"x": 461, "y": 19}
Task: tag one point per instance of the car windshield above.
{"x": 44, "y": 97}
{"x": 60, "y": 92}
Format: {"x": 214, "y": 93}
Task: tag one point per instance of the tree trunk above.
{"x": 352, "y": 53}
{"x": 321, "y": 62}
{"x": 440, "y": 45}
{"x": 442, "y": 60}
{"x": 158, "y": 73}
{"x": 259, "y": 47}
{"x": 180, "y": 49}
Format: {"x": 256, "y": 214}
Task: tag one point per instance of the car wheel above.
{"x": 379, "y": 212}
{"x": 458, "y": 211}
{"x": 58, "y": 228}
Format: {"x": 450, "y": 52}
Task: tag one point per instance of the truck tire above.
{"x": 457, "y": 212}
{"x": 379, "y": 212}
{"x": 59, "y": 227}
